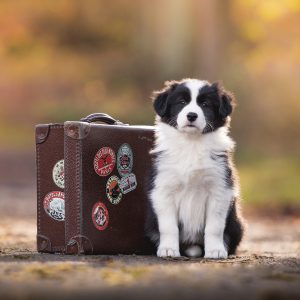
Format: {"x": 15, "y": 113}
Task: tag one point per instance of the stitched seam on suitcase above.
{"x": 56, "y": 126}
{"x": 71, "y": 220}
{"x": 38, "y": 189}
{"x": 66, "y": 157}
{"x": 78, "y": 185}
{"x": 57, "y": 248}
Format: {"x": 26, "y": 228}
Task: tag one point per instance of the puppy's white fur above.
{"x": 190, "y": 187}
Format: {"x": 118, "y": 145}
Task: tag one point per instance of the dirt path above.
{"x": 267, "y": 267}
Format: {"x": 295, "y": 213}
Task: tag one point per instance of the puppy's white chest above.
{"x": 191, "y": 207}
{"x": 192, "y": 179}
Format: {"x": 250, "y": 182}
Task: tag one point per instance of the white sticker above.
{"x": 128, "y": 183}
{"x": 54, "y": 205}
{"x": 58, "y": 174}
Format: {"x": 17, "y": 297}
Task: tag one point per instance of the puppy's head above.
{"x": 193, "y": 105}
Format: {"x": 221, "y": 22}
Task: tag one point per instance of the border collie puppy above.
{"x": 194, "y": 191}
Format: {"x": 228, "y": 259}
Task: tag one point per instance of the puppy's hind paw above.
{"x": 167, "y": 252}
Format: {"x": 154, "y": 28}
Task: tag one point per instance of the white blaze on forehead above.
{"x": 194, "y": 85}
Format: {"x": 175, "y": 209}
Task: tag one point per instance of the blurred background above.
{"x": 61, "y": 60}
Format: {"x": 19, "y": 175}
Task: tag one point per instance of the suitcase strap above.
{"x": 101, "y": 117}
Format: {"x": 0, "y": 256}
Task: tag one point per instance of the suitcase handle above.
{"x": 101, "y": 117}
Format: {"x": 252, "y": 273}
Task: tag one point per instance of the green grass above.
{"x": 271, "y": 181}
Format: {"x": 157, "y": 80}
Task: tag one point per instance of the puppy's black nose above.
{"x": 191, "y": 116}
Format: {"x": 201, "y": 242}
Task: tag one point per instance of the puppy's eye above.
{"x": 182, "y": 101}
{"x": 204, "y": 104}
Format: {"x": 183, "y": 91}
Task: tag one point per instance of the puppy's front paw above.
{"x": 217, "y": 253}
{"x": 167, "y": 252}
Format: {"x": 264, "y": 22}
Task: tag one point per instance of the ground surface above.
{"x": 267, "y": 265}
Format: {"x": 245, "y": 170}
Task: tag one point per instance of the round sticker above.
{"x": 58, "y": 174}
{"x": 113, "y": 190}
{"x": 104, "y": 161}
{"x": 54, "y": 205}
{"x": 124, "y": 160}
{"x": 100, "y": 216}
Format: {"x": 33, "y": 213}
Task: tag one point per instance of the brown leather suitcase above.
{"x": 50, "y": 187}
{"x": 106, "y": 168}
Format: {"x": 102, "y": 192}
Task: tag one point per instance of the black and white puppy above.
{"x": 194, "y": 191}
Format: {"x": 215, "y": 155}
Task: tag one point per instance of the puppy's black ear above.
{"x": 160, "y": 102}
{"x": 226, "y": 100}
{"x": 226, "y": 105}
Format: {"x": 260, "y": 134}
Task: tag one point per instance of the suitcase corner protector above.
{"x": 79, "y": 245}
{"x": 43, "y": 243}
{"x": 76, "y": 130}
{"x": 41, "y": 133}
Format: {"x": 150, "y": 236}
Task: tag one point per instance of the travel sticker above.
{"x": 128, "y": 183}
{"x": 54, "y": 205}
{"x": 104, "y": 161}
{"x": 100, "y": 216}
{"x": 124, "y": 160}
{"x": 113, "y": 190}
{"x": 58, "y": 174}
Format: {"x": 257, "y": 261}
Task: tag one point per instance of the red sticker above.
{"x": 54, "y": 205}
{"x": 100, "y": 216}
{"x": 104, "y": 161}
